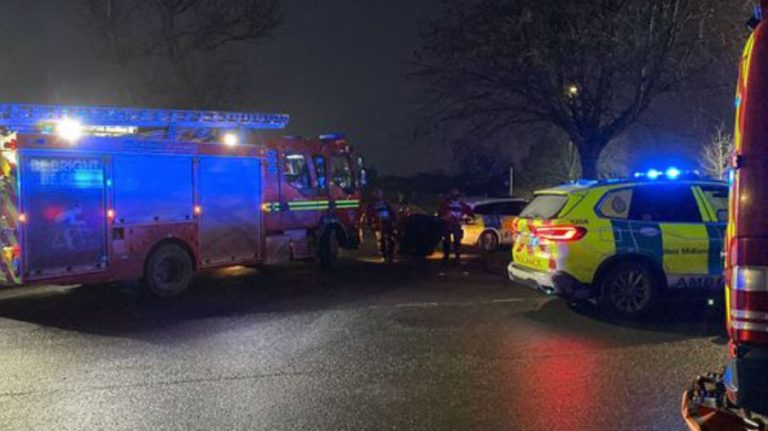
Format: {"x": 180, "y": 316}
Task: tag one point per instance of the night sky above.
{"x": 344, "y": 65}
{"x": 334, "y": 65}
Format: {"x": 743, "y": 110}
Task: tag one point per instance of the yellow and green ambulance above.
{"x": 623, "y": 243}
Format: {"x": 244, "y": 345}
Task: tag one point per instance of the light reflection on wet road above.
{"x": 414, "y": 346}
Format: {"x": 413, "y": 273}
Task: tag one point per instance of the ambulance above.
{"x": 624, "y": 243}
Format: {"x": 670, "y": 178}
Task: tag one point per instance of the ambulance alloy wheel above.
{"x": 329, "y": 249}
{"x": 489, "y": 241}
{"x": 168, "y": 271}
{"x": 628, "y": 289}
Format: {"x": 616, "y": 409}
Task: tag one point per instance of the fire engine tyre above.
{"x": 628, "y": 290}
{"x": 329, "y": 250}
{"x": 168, "y": 271}
{"x": 489, "y": 241}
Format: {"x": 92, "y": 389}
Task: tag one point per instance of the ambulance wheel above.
{"x": 628, "y": 289}
{"x": 489, "y": 241}
{"x": 329, "y": 250}
{"x": 168, "y": 271}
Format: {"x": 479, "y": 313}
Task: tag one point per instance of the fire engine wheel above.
{"x": 329, "y": 250}
{"x": 628, "y": 289}
{"x": 168, "y": 271}
{"x": 489, "y": 241}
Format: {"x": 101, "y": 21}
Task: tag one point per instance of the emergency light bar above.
{"x": 20, "y": 116}
{"x": 671, "y": 173}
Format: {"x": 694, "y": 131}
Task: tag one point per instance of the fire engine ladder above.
{"x": 25, "y": 117}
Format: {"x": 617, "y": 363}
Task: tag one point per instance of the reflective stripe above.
{"x": 703, "y": 204}
{"x": 749, "y": 326}
{"x": 749, "y": 315}
{"x": 310, "y": 205}
{"x": 749, "y": 278}
{"x": 352, "y": 203}
{"x": 307, "y": 207}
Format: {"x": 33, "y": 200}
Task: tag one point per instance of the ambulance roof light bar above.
{"x": 672, "y": 173}
{"x": 25, "y": 116}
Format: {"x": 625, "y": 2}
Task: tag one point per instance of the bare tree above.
{"x": 178, "y": 51}
{"x": 716, "y": 153}
{"x": 589, "y": 68}
{"x": 615, "y": 160}
{"x": 551, "y": 160}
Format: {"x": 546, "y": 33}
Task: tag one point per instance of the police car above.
{"x": 623, "y": 243}
{"x": 493, "y": 222}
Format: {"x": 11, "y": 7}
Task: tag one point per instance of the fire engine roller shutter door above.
{"x": 230, "y": 198}
{"x": 64, "y": 200}
{"x": 152, "y": 188}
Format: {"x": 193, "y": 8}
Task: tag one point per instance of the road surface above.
{"x": 410, "y": 346}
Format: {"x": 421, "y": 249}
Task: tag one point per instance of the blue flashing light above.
{"x": 672, "y": 173}
{"x": 653, "y": 174}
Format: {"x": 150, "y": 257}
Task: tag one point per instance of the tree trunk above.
{"x": 589, "y": 153}
{"x": 588, "y": 168}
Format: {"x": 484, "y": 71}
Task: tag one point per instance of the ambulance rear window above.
{"x": 545, "y": 207}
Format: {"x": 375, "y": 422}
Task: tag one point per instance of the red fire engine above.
{"x": 738, "y": 400}
{"x": 93, "y": 195}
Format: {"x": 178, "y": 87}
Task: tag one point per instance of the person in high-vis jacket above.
{"x": 452, "y": 211}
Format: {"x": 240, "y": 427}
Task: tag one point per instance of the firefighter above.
{"x": 404, "y": 212}
{"x": 452, "y": 211}
{"x": 381, "y": 218}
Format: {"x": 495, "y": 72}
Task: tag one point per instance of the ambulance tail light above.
{"x": 564, "y": 233}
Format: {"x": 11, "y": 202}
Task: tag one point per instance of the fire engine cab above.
{"x": 95, "y": 194}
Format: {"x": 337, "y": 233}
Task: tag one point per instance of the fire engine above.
{"x": 96, "y": 194}
{"x": 738, "y": 399}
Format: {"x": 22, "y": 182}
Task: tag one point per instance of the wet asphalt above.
{"x": 413, "y": 346}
